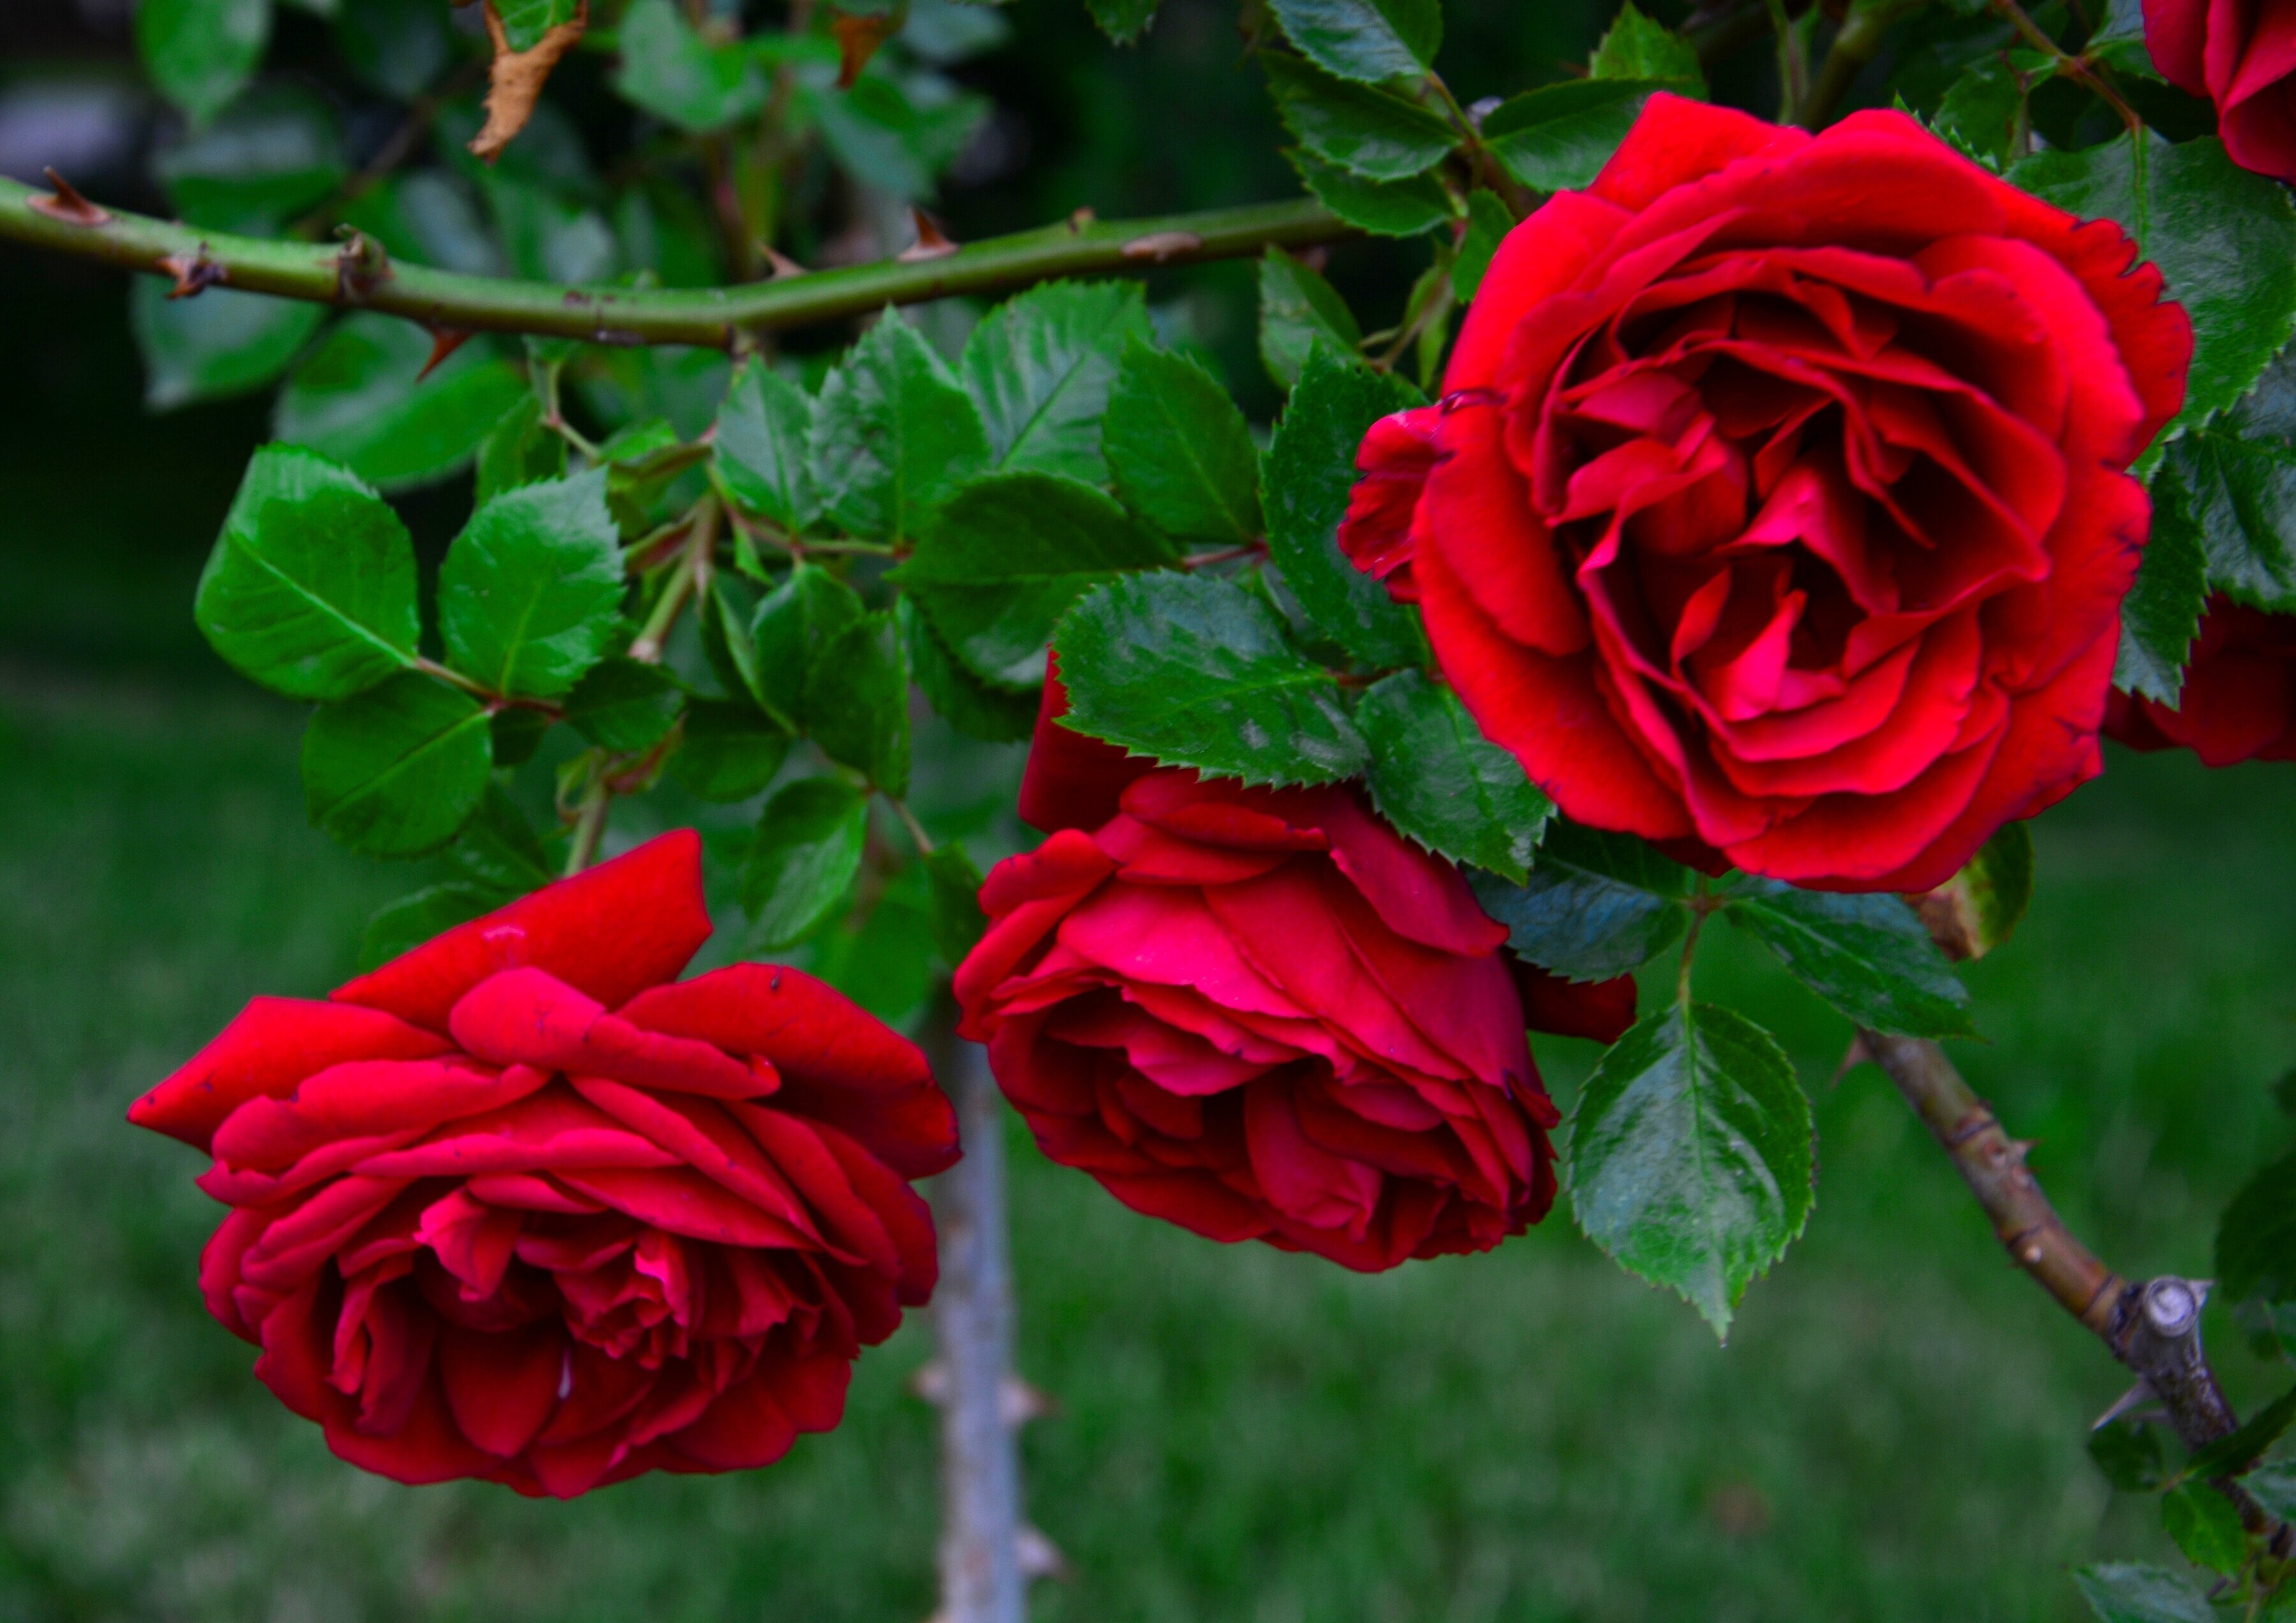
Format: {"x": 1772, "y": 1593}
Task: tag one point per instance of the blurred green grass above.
{"x": 1894, "y": 1431}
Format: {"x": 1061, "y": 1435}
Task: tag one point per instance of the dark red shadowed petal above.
{"x": 2174, "y": 33}
{"x": 1071, "y": 780}
{"x": 608, "y": 933}
{"x": 1601, "y": 1010}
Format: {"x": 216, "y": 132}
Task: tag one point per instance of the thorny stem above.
{"x": 357, "y": 276}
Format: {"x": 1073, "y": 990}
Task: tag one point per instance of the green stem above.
{"x": 1857, "y": 42}
{"x": 909, "y": 821}
{"x": 685, "y": 580}
{"x": 356, "y": 277}
{"x": 590, "y": 822}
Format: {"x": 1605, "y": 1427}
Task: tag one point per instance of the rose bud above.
{"x": 1777, "y": 500}
{"x": 520, "y": 1205}
{"x": 2241, "y": 55}
{"x": 2239, "y": 700}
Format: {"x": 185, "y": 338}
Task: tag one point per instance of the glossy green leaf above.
{"x": 795, "y": 624}
{"x": 1984, "y": 112}
{"x": 724, "y": 614}
{"x": 1311, "y": 472}
{"x": 2161, "y": 614}
{"x": 1379, "y": 134}
{"x": 499, "y": 851}
{"x": 311, "y": 588}
{"x": 2225, "y": 240}
{"x": 1408, "y": 208}
{"x": 273, "y": 156}
{"x": 887, "y": 136}
{"x": 1488, "y": 221}
{"x": 1365, "y": 40}
{"x": 357, "y": 399}
{"x": 1597, "y": 903}
{"x": 526, "y": 21}
{"x": 1123, "y": 20}
{"x": 1440, "y": 781}
{"x": 1559, "y": 136}
{"x": 2256, "y": 1239}
{"x": 1004, "y": 559}
{"x": 530, "y": 595}
{"x": 2205, "y": 1526}
{"x": 549, "y": 233}
{"x": 1180, "y": 450}
{"x": 517, "y": 451}
{"x": 398, "y": 47}
{"x": 2124, "y": 1592}
{"x": 216, "y": 345}
{"x": 397, "y": 770}
{"x": 803, "y": 861}
{"x": 856, "y": 702}
{"x": 1298, "y": 310}
{"x": 200, "y": 52}
{"x": 1194, "y": 672}
{"x": 625, "y": 705}
{"x": 997, "y": 715}
{"x": 1866, "y": 955}
{"x": 409, "y": 923}
{"x": 671, "y": 71}
{"x": 1691, "y": 1157}
{"x": 730, "y": 752}
{"x": 893, "y": 433}
{"x": 2129, "y": 1454}
{"x": 1637, "y": 48}
{"x": 2236, "y": 479}
{"x": 1039, "y": 367}
{"x": 954, "y": 889}
{"x": 762, "y": 448}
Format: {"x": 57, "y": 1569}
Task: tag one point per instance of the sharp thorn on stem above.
{"x": 194, "y": 273}
{"x": 932, "y": 242}
{"x": 444, "y": 342}
{"x": 68, "y": 205}
{"x": 783, "y": 266}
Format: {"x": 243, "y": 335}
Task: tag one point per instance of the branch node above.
{"x": 194, "y": 273}
{"x": 67, "y": 206}
{"x": 1979, "y": 1119}
{"x": 361, "y": 267}
{"x": 1158, "y": 246}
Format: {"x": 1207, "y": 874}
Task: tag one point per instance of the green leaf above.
{"x": 893, "y": 434}
{"x": 518, "y": 451}
{"x": 2128, "y": 1451}
{"x": 680, "y": 77}
{"x": 1559, "y": 136}
{"x": 357, "y": 399}
{"x": 409, "y": 922}
{"x": 216, "y": 345}
{"x": 549, "y": 233}
{"x": 1636, "y": 48}
{"x": 2205, "y": 1526}
{"x": 1866, "y": 955}
{"x": 725, "y": 611}
{"x": 1180, "y": 450}
{"x": 1194, "y": 672}
{"x": 2161, "y": 614}
{"x": 2124, "y": 1592}
{"x": 518, "y": 734}
{"x": 1039, "y": 367}
{"x": 1365, "y": 40}
{"x": 499, "y": 849}
{"x": 1596, "y": 905}
{"x": 2236, "y": 481}
{"x": 1983, "y": 111}
{"x": 1488, "y": 221}
{"x": 530, "y": 595}
{"x": 955, "y": 898}
{"x": 1299, "y": 310}
{"x": 200, "y": 52}
{"x": 1981, "y": 907}
{"x": 857, "y": 702}
{"x": 884, "y": 961}
{"x": 311, "y": 588}
{"x": 1379, "y": 134}
{"x": 397, "y": 770}
{"x": 2232, "y": 1455}
{"x": 763, "y": 430}
{"x": 625, "y": 705}
{"x": 2223, "y": 238}
{"x": 795, "y": 623}
{"x": 730, "y": 752}
{"x": 1691, "y": 1156}
{"x": 1123, "y": 20}
{"x": 1406, "y": 208}
{"x": 274, "y": 156}
{"x": 1309, "y": 475}
{"x": 1004, "y": 559}
{"x": 2273, "y": 1486}
{"x": 526, "y": 21}
{"x": 1439, "y": 780}
{"x": 803, "y": 861}
{"x": 398, "y": 47}
{"x": 2256, "y": 1239}
{"x": 967, "y": 703}
{"x": 888, "y": 138}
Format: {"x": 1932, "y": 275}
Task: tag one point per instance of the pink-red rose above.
{"x": 1776, "y": 500}
{"x": 521, "y": 1205}
{"x": 2239, "y": 701}
{"x": 2241, "y": 55}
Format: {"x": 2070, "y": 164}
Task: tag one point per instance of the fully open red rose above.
{"x": 1261, "y": 1014}
{"x": 2241, "y": 55}
{"x": 1776, "y": 499}
{"x": 521, "y": 1205}
{"x": 2239, "y": 703}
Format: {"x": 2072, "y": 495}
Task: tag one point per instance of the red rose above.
{"x": 1776, "y": 499}
{"x": 2239, "y": 703}
{"x": 1259, "y": 1013}
{"x": 2239, "y": 54}
{"x": 520, "y": 1205}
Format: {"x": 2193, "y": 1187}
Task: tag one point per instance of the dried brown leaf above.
{"x": 516, "y": 78}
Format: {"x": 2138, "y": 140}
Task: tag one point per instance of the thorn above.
{"x": 68, "y": 205}
{"x": 932, "y": 244}
{"x": 1040, "y": 1556}
{"x": 1017, "y": 1402}
{"x": 783, "y": 266}
{"x": 361, "y": 267}
{"x": 1082, "y": 218}
{"x": 1158, "y": 246}
{"x": 193, "y": 274}
{"x": 444, "y": 342}
{"x": 858, "y": 39}
{"x": 1857, "y": 1055}
{"x": 2134, "y": 1398}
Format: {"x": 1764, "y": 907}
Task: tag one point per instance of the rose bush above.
{"x": 1261, "y": 1014}
{"x": 520, "y": 1205}
{"x": 2239, "y": 54}
{"x": 1776, "y": 500}
{"x": 2239, "y": 700}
